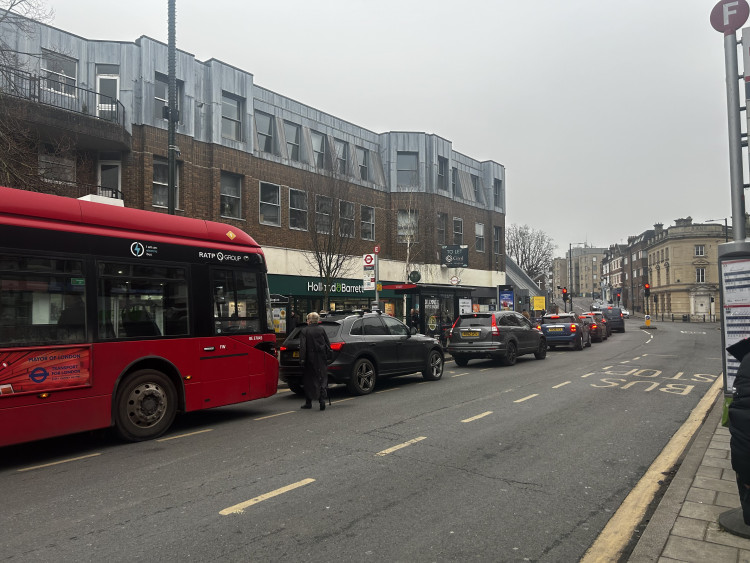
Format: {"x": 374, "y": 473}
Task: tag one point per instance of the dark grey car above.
{"x": 500, "y": 334}
{"x": 614, "y": 318}
{"x": 366, "y": 347}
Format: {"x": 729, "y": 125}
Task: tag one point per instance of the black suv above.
{"x": 366, "y": 346}
{"x": 614, "y": 318}
{"x": 502, "y": 334}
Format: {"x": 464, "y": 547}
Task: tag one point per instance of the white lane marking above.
{"x": 527, "y": 398}
{"x": 405, "y": 444}
{"x": 460, "y": 374}
{"x": 274, "y": 415}
{"x": 477, "y": 417}
{"x": 560, "y": 385}
{"x": 240, "y": 508}
{"x": 592, "y": 373}
{"x": 185, "y": 435}
{"x": 58, "y": 462}
{"x": 386, "y": 390}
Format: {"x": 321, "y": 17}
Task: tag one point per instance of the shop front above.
{"x": 293, "y": 297}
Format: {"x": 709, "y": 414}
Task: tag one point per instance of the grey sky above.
{"x": 608, "y": 115}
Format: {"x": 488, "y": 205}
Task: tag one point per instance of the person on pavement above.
{"x": 739, "y": 424}
{"x": 314, "y": 350}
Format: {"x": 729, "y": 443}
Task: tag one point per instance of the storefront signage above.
{"x": 338, "y": 287}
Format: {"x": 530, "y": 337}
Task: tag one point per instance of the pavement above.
{"x": 685, "y": 526}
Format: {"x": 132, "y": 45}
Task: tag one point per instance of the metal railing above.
{"x": 64, "y": 95}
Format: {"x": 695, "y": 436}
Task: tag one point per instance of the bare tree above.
{"x": 530, "y": 248}
{"x": 332, "y": 228}
{"x": 20, "y": 15}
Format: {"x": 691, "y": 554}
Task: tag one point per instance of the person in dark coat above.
{"x": 314, "y": 347}
{"x": 739, "y": 424}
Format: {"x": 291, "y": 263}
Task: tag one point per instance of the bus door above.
{"x": 232, "y": 368}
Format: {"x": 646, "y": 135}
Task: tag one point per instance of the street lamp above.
{"x": 726, "y": 226}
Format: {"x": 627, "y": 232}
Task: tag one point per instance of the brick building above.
{"x": 282, "y": 171}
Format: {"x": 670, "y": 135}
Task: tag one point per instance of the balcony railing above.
{"x": 60, "y": 94}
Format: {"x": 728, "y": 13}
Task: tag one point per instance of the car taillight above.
{"x": 593, "y": 326}
{"x": 495, "y": 330}
{"x": 539, "y": 327}
{"x": 573, "y": 328}
{"x": 620, "y": 315}
{"x": 282, "y": 348}
{"x": 337, "y": 346}
{"x": 450, "y": 332}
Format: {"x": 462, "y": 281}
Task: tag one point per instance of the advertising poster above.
{"x": 33, "y": 371}
{"x": 506, "y": 300}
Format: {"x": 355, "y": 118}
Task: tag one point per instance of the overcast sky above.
{"x": 608, "y": 115}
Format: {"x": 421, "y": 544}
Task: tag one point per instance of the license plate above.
{"x": 295, "y": 354}
{"x": 555, "y": 329}
{"x": 470, "y": 333}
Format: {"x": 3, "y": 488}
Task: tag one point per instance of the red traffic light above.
{"x": 565, "y": 290}
{"x": 647, "y": 286}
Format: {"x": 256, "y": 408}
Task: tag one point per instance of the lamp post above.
{"x": 726, "y": 226}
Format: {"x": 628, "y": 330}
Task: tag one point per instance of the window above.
{"x": 475, "y": 187}
{"x": 479, "y": 236}
{"x": 237, "y": 305}
{"x": 46, "y": 304}
{"x": 161, "y": 96}
{"x": 455, "y": 184}
{"x": 442, "y": 225}
{"x": 292, "y": 134}
{"x": 406, "y": 169}
{"x": 231, "y": 195}
{"x": 139, "y": 300}
{"x": 497, "y": 240}
{"x": 342, "y": 155}
{"x": 54, "y": 167}
{"x": 408, "y": 221}
{"x": 442, "y": 174}
{"x": 367, "y": 224}
{"x": 270, "y": 204}
{"x": 264, "y": 127}
{"x": 59, "y": 73}
{"x": 161, "y": 183}
{"x": 700, "y": 275}
{"x": 323, "y": 208}
{"x": 346, "y": 219}
{"x": 297, "y": 209}
{"x": 319, "y": 149}
{"x": 458, "y": 230}
{"x": 700, "y": 250}
{"x": 364, "y": 164}
{"x": 497, "y": 193}
{"x": 231, "y": 117}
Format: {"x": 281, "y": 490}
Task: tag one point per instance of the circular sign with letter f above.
{"x": 729, "y": 15}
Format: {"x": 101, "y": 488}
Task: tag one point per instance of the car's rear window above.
{"x": 612, "y": 313}
{"x": 474, "y": 320}
{"x": 557, "y": 319}
{"x": 332, "y": 329}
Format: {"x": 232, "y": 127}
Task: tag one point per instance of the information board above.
{"x": 735, "y": 280}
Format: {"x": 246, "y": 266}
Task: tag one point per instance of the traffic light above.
{"x": 646, "y": 289}
{"x": 565, "y": 293}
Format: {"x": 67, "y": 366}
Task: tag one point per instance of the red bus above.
{"x": 121, "y": 317}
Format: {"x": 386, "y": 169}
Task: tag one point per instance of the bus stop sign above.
{"x": 729, "y": 15}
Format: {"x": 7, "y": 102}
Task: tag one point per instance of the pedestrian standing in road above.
{"x": 314, "y": 351}
{"x": 739, "y": 424}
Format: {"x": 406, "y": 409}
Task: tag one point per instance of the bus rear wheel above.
{"x": 145, "y": 406}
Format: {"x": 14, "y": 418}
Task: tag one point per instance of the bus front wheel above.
{"x": 146, "y": 405}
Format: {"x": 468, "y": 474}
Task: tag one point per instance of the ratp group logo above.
{"x": 137, "y": 249}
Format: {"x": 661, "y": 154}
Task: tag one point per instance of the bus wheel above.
{"x": 146, "y": 405}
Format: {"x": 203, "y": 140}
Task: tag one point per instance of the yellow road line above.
{"x": 394, "y": 448}
{"x": 387, "y": 390}
{"x": 560, "y": 385}
{"x": 460, "y": 374}
{"x": 342, "y": 400}
{"x": 618, "y": 531}
{"x": 283, "y": 391}
{"x": 240, "y": 508}
{"x": 527, "y": 398}
{"x": 184, "y": 435}
{"x": 473, "y": 418}
{"x": 625, "y": 362}
{"x": 607, "y": 367}
{"x": 58, "y": 462}
{"x": 592, "y": 373}
{"x": 273, "y": 415}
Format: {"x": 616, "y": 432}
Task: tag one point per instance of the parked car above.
{"x": 566, "y": 329}
{"x": 598, "y": 327}
{"x": 499, "y": 334}
{"x": 366, "y": 347}
{"x": 614, "y": 317}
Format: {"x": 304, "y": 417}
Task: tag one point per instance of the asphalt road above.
{"x": 491, "y": 463}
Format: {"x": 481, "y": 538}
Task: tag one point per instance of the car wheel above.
{"x": 434, "y": 369}
{"x": 541, "y": 352}
{"x": 145, "y": 406}
{"x": 296, "y": 388}
{"x": 461, "y": 362}
{"x": 578, "y": 344}
{"x": 363, "y": 377}
{"x": 511, "y": 354}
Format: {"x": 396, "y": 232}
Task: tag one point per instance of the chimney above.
{"x": 686, "y": 222}
{"x": 658, "y": 228}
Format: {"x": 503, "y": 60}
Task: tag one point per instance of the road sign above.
{"x": 454, "y": 280}
{"x": 377, "y": 249}
{"x": 369, "y": 272}
{"x": 369, "y": 259}
{"x": 729, "y": 15}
